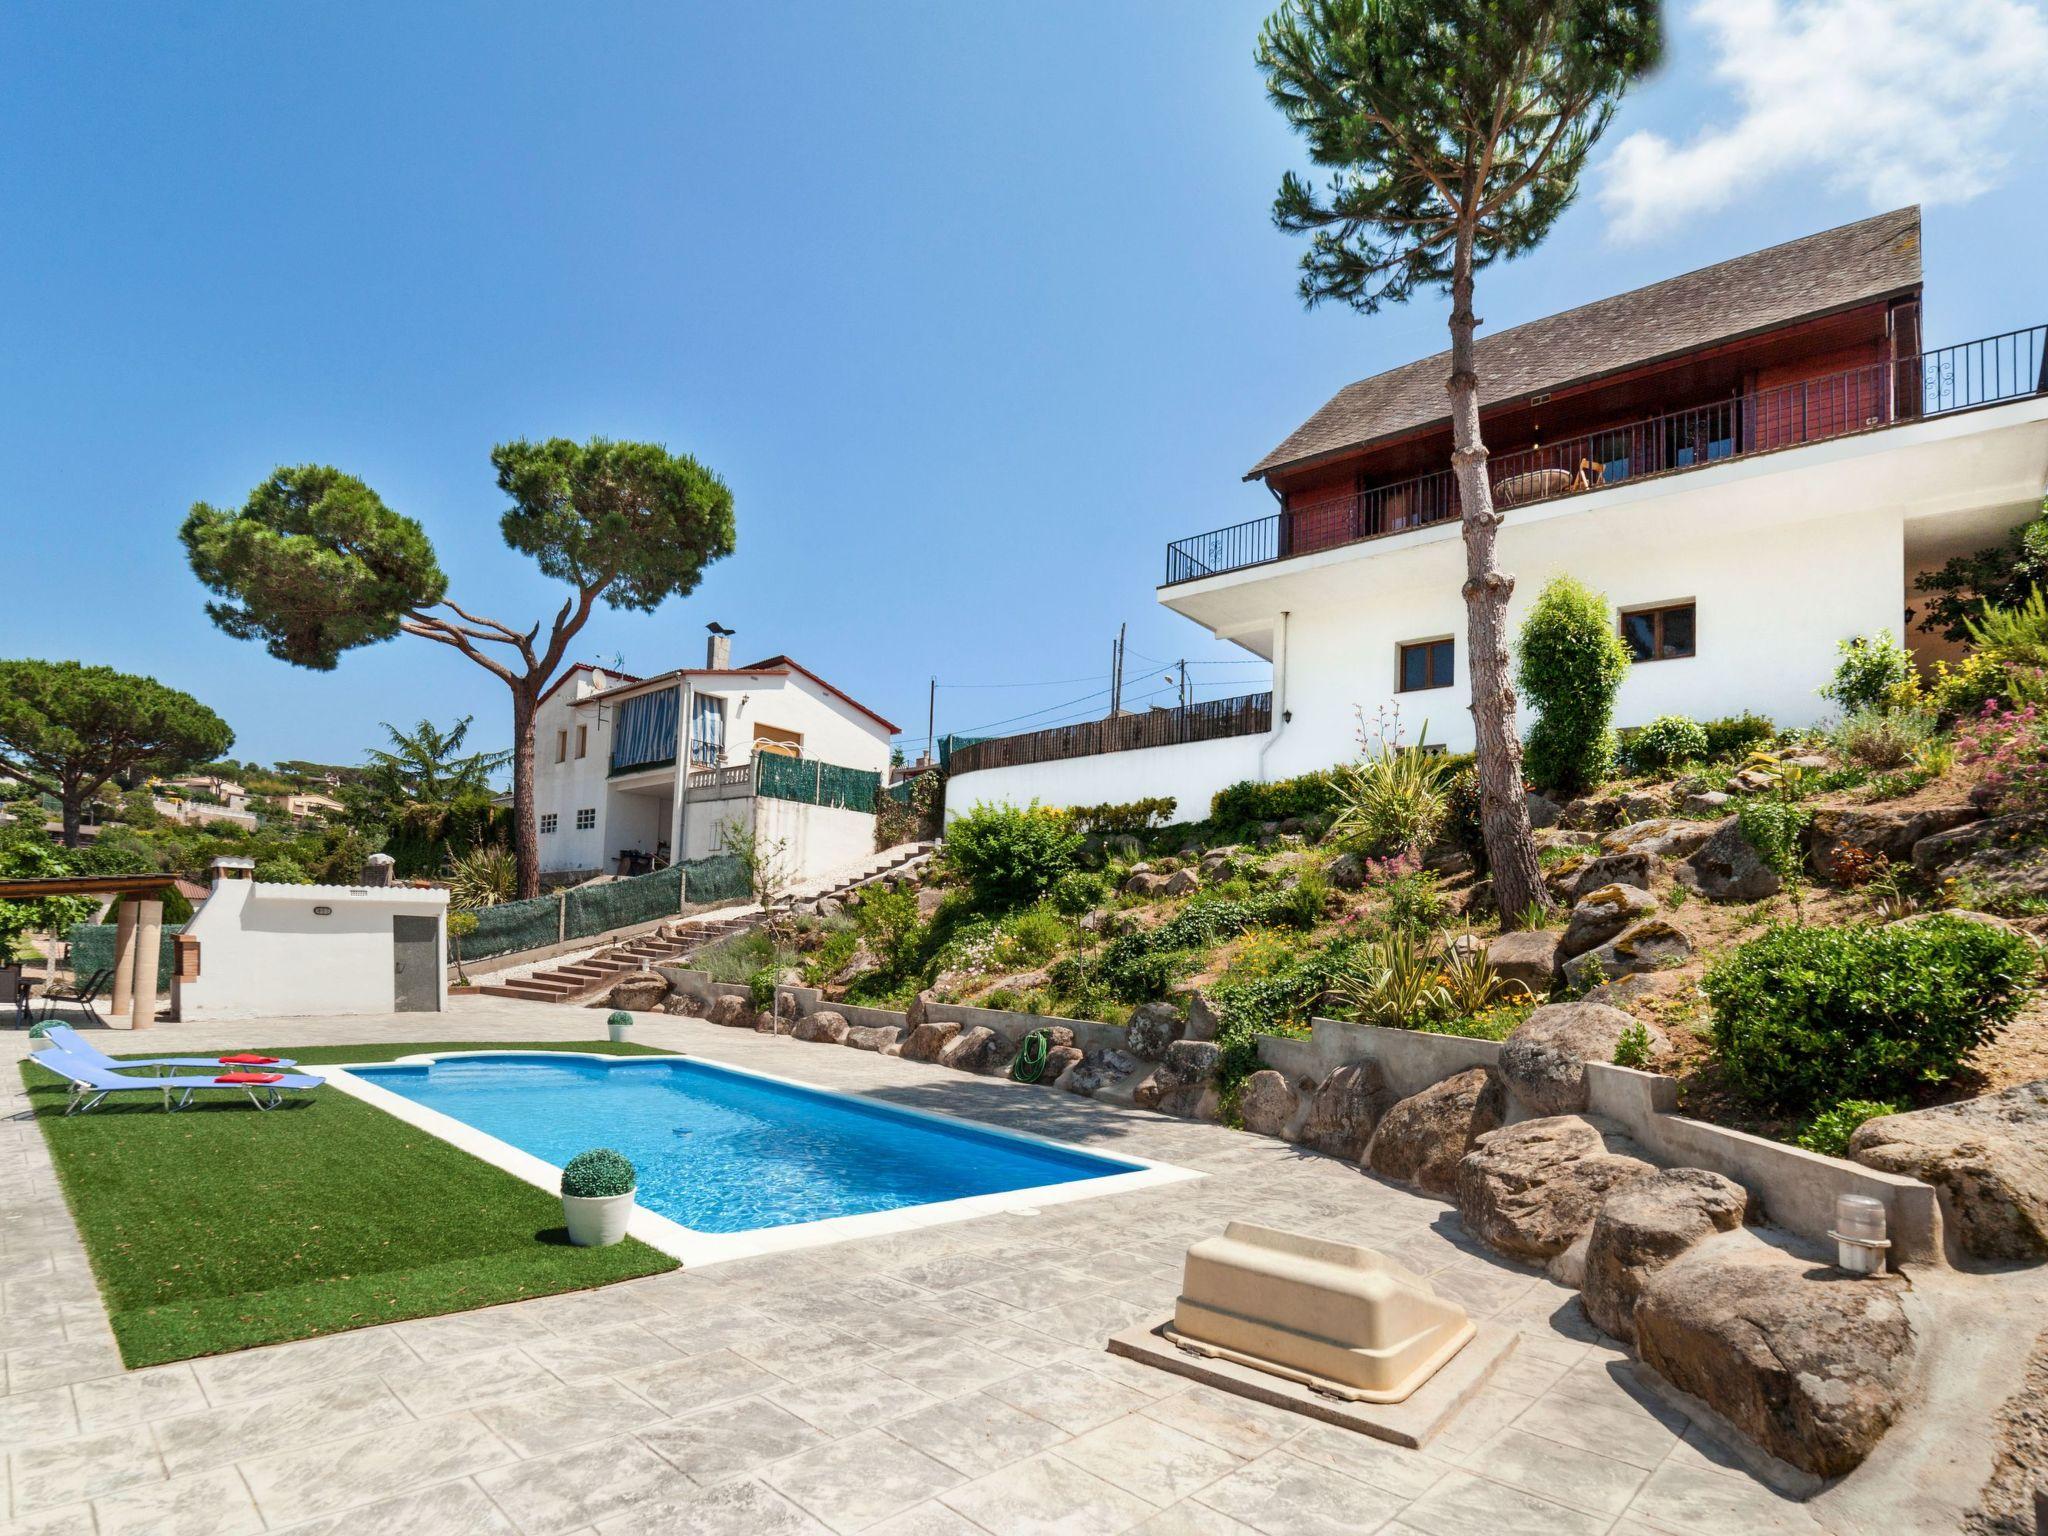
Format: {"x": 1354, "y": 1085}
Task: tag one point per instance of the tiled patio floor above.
{"x": 950, "y": 1380}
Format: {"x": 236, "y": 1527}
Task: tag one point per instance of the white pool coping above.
{"x": 696, "y": 1249}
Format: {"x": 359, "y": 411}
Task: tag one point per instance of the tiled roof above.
{"x": 1872, "y": 259}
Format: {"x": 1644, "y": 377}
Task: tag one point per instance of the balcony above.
{"x": 2013, "y": 366}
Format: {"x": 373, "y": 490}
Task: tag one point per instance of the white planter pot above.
{"x": 620, "y": 1032}
{"x": 597, "y": 1221}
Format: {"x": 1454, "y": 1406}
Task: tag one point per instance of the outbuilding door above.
{"x": 416, "y": 957}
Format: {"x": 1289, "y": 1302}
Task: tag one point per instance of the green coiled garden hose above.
{"x": 1030, "y": 1062}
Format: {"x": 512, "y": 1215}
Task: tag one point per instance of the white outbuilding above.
{"x": 256, "y": 949}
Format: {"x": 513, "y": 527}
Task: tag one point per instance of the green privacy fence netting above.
{"x": 92, "y": 949}
{"x": 620, "y": 903}
{"x": 721, "y": 877}
{"x": 816, "y": 782}
{"x": 514, "y": 925}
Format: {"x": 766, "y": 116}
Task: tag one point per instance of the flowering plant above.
{"x": 2011, "y": 746}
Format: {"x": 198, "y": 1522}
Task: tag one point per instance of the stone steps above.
{"x": 576, "y": 980}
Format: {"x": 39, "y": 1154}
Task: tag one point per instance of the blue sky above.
{"x": 974, "y": 306}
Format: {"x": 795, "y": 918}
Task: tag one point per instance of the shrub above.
{"x": 1880, "y": 739}
{"x": 2011, "y": 746}
{"x": 1632, "y": 1049}
{"x": 1414, "y": 904}
{"x": 1009, "y": 857}
{"x": 1776, "y": 829}
{"x": 1462, "y": 827}
{"x": 1961, "y": 691}
{"x": 888, "y": 923}
{"x": 618, "y": 1018}
{"x": 1807, "y": 1016}
{"x": 1390, "y": 802}
{"x": 1829, "y": 1131}
{"x": 1247, "y": 803}
{"x": 280, "y": 870}
{"x": 596, "y": 1174}
{"x": 1738, "y": 735}
{"x": 1130, "y": 816}
{"x": 1664, "y": 743}
{"x": 761, "y": 987}
{"x": 1572, "y": 663}
{"x": 1078, "y": 891}
{"x": 1875, "y": 672}
{"x": 1033, "y": 936}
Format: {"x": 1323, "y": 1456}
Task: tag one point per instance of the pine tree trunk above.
{"x": 74, "y": 804}
{"x": 1503, "y": 810}
{"x": 525, "y": 826}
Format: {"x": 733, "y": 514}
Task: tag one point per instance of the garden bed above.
{"x": 220, "y": 1227}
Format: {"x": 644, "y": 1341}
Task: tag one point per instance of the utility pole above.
{"x": 931, "y": 721}
{"x": 1116, "y": 672}
{"x": 1183, "y": 683}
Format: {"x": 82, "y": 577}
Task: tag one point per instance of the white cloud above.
{"x": 1897, "y": 100}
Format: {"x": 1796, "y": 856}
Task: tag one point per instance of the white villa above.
{"x": 1752, "y": 461}
{"x": 632, "y": 773}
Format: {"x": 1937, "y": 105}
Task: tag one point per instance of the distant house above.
{"x": 1752, "y": 461}
{"x": 301, "y": 806}
{"x": 632, "y": 773}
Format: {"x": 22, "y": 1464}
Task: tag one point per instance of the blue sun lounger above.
{"x": 91, "y": 1084}
{"x": 72, "y": 1043}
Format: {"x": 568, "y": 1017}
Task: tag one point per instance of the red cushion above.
{"x": 250, "y": 1077}
{"x": 247, "y": 1060}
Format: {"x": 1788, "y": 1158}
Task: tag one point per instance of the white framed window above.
{"x": 586, "y": 819}
{"x": 548, "y": 823}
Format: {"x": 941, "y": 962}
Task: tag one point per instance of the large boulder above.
{"x": 920, "y": 1009}
{"x": 1346, "y": 871}
{"x": 1422, "y": 1139}
{"x": 821, "y": 1028}
{"x": 2007, "y": 855}
{"x": 1267, "y": 1103}
{"x": 1184, "y": 1083}
{"x": 872, "y": 1037}
{"x": 1876, "y": 832}
{"x": 1182, "y": 882}
{"x": 1642, "y": 804}
{"x": 1727, "y": 867}
{"x": 1544, "y": 1059}
{"x": 1635, "y": 869}
{"x": 1707, "y": 804}
{"x": 1543, "y": 811}
{"x": 1645, "y": 1227}
{"x": 640, "y": 992}
{"x": 1601, "y": 914}
{"x": 978, "y": 1049}
{"x": 1808, "y": 1362}
{"x": 1531, "y": 1190}
{"x": 1988, "y": 1157}
{"x": 685, "y": 1005}
{"x": 1059, "y": 1060}
{"x": 1528, "y": 957}
{"x": 1662, "y": 837}
{"x": 1152, "y": 1030}
{"x": 732, "y": 1011}
{"x": 926, "y": 1041}
{"x": 1346, "y": 1110}
{"x": 1649, "y": 945}
{"x": 1097, "y": 1070}
{"x": 1146, "y": 884}
{"x": 774, "y": 1021}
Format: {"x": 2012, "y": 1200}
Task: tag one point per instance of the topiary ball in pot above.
{"x": 619, "y": 1022}
{"x": 597, "y": 1197}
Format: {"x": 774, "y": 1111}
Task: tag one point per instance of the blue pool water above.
{"x": 720, "y": 1151}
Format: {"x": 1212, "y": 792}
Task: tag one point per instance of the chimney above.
{"x": 718, "y": 648}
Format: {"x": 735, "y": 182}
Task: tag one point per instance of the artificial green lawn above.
{"x": 220, "y": 1227}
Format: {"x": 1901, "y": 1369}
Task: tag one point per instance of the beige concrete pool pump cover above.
{"x": 1333, "y": 1316}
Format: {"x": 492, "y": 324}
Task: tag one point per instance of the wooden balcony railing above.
{"x": 1998, "y": 368}
{"x": 1250, "y": 714}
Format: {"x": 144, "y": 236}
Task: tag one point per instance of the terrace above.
{"x": 1628, "y": 448}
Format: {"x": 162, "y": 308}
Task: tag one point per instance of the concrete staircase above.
{"x": 578, "y": 980}
{"x": 904, "y": 861}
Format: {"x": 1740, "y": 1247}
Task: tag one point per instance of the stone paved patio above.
{"x": 950, "y": 1380}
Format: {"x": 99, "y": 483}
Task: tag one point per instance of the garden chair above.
{"x": 91, "y": 1085}
{"x": 73, "y": 1043}
{"x": 84, "y": 994}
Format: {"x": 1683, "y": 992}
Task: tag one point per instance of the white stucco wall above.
{"x": 1191, "y": 774}
{"x": 264, "y": 951}
{"x": 821, "y": 840}
{"x": 562, "y": 788}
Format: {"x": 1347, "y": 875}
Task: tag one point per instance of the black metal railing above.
{"x": 1249, "y": 714}
{"x": 1976, "y": 373}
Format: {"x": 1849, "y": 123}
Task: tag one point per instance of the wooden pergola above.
{"x": 138, "y": 932}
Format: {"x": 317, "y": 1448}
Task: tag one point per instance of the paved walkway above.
{"x": 946, "y": 1381}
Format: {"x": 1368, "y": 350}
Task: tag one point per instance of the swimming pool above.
{"x": 723, "y": 1151}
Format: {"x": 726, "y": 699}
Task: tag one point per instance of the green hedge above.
{"x": 92, "y": 949}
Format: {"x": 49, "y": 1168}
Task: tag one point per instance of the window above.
{"x": 547, "y": 824}
{"x": 1426, "y": 664}
{"x": 1659, "y": 634}
{"x": 561, "y": 746}
{"x": 582, "y": 740}
{"x": 586, "y": 819}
